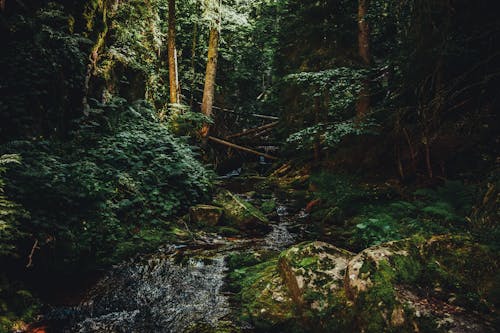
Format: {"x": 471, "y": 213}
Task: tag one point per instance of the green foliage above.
{"x": 17, "y": 306}
{"x": 340, "y": 190}
{"x": 434, "y": 211}
{"x": 184, "y": 122}
{"x": 335, "y": 92}
{"x": 10, "y": 213}
{"x": 133, "y": 176}
{"x": 43, "y": 72}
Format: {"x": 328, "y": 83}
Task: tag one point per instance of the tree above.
{"x": 363, "y": 103}
{"x": 172, "y": 56}
{"x": 211, "y": 71}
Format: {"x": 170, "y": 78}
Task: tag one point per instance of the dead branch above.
{"x": 32, "y": 252}
{"x": 256, "y": 115}
{"x": 245, "y": 149}
{"x": 253, "y": 130}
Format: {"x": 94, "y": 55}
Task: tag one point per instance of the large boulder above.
{"x": 205, "y": 215}
{"x": 430, "y": 285}
{"x": 267, "y": 304}
{"x": 313, "y": 272}
{"x": 440, "y": 284}
{"x": 241, "y": 214}
{"x": 302, "y": 291}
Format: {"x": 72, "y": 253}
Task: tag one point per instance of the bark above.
{"x": 193, "y": 63}
{"x": 209, "y": 88}
{"x": 172, "y": 56}
{"x": 363, "y": 103}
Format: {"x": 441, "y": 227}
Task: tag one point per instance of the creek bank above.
{"x": 277, "y": 278}
{"x": 413, "y": 285}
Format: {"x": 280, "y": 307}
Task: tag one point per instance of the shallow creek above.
{"x": 173, "y": 289}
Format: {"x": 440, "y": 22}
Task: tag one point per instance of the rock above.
{"x": 302, "y": 289}
{"x": 358, "y": 275}
{"x": 412, "y": 285}
{"x": 313, "y": 269}
{"x": 408, "y": 284}
{"x": 266, "y": 302}
{"x": 241, "y": 214}
{"x": 205, "y": 214}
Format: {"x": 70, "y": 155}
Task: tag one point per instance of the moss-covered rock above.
{"x": 414, "y": 285}
{"x": 266, "y": 303}
{"x": 205, "y": 215}
{"x": 313, "y": 268}
{"x": 241, "y": 214}
{"x": 314, "y": 275}
{"x": 401, "y": 286}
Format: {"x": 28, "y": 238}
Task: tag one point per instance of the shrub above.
{"x": 122, "y": 172}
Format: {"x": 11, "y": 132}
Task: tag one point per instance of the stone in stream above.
{"x": 205, "y": 215}
{"x": 241, "y": 214}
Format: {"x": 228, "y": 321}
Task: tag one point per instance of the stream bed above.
{"x": 172, "y": 290}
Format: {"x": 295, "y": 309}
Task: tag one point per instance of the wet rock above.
{"x": 241, "y": 214}
{"x": 205, "y": 214}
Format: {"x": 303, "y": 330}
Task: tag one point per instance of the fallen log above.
{"x": 245, "y": 149}
{"x": 253, "y": 130}
{"x": 256, "y": 115}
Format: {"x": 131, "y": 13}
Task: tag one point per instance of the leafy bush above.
{"x": 342, "y": 191}
{"x": 10, "y": 212}
{"x": 332, "y": 93}
{"x": 121, "y": 173}
{"x": 439, "y": 210}
{"x": 17, "y": 306}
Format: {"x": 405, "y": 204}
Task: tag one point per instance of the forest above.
{"x": 258, "y": 166}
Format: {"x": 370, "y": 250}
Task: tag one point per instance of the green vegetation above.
{"x": 371, "y": 122}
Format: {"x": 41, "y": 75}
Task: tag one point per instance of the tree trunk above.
{"x": 193, "y": 63}
{"x": 172, "y": 56}
{"x": 363, "y": 103}
{"x": 209, "y": 89}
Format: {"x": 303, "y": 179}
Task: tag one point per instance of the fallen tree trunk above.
{"x": 245, "y": 149}
{"x": 253, "y": 130}
{"x": 256, "y": 115}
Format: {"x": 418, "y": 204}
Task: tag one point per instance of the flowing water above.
{"x": 171, "y": 290}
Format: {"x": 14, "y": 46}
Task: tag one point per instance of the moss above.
{"x": 264, "y": 300}
{"x": 457, "y": 265}
{"x": 268, "y": 206}
{"x": 228, "y": 231}
{"x": 239, "y": 213}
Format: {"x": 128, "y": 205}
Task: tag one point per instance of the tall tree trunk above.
{"x": 193, "y": 63}
{"x": 172, "y": 56}
{"x": 209, "y": 89}
{"x": 363, "y": 103}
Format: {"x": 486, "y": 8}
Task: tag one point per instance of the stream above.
{"x": 173, "y": 289}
